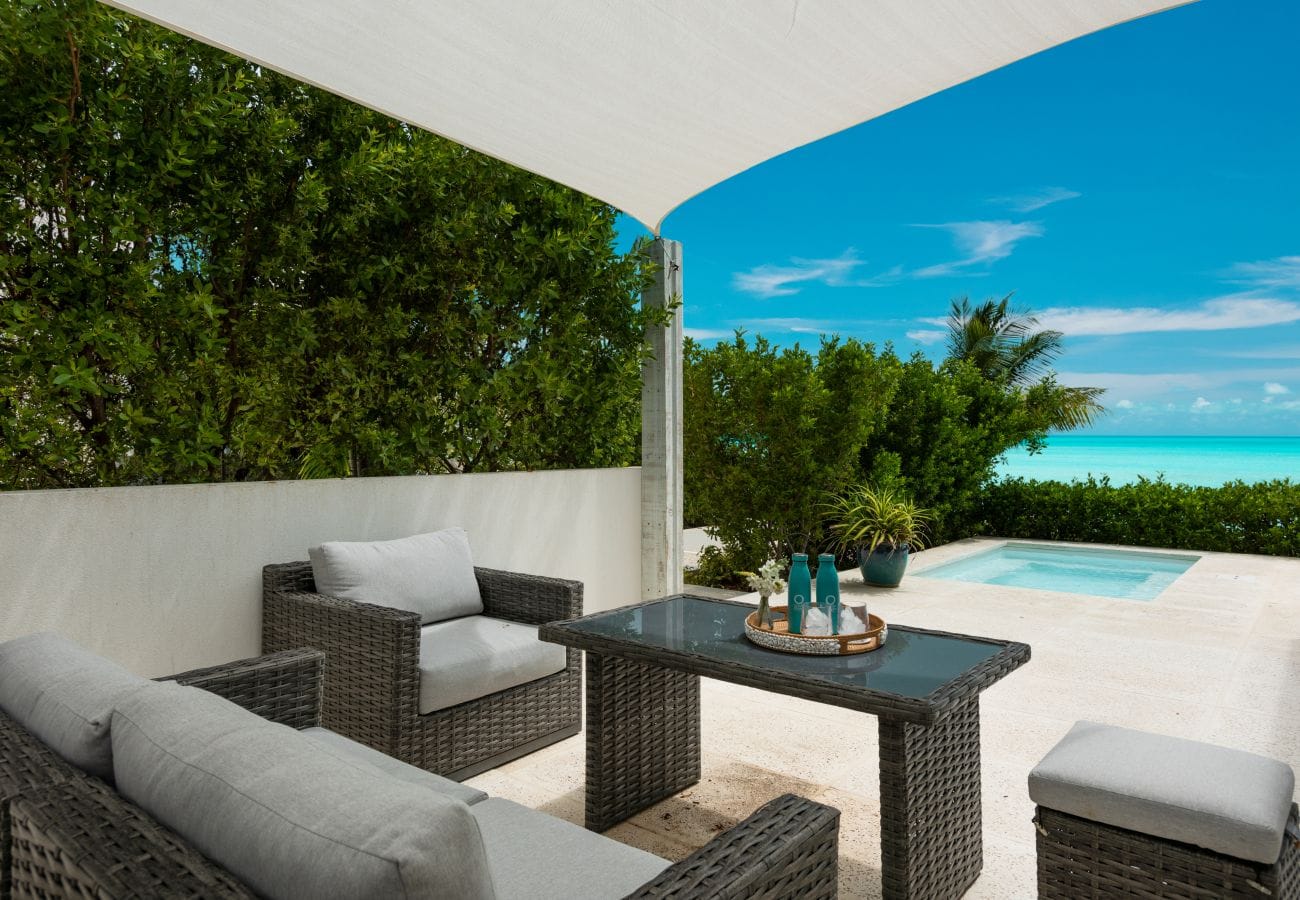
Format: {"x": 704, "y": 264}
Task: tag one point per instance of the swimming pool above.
{"x": 1126, "y": 574}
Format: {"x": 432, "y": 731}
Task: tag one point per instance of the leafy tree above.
{"x": 1004, "y": 345}
{"x": 212, "y": 272}
{"x": 942, "y": 436}
{"x": 771, "y": 434}
{"x": 768, "y": 434}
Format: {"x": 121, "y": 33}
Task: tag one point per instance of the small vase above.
{"x": 799, "y": 591}
{"x": 764, "y": 612}
{"x": 828, "y": 590}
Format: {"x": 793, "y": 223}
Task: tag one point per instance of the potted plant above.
{"x": 883, "y": 525}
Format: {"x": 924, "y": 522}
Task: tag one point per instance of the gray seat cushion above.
{"x": 284, "y": 817}
{"x": 534, "y": 856}
{"x": 346, "y": 748}
{"x": 1229, "y": 801}
{"x": 64, "y": 694}
{"x": 469, "y": 658}
{"x": 431, "y": 575}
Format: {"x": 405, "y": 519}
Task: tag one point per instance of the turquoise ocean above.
{"x": 1182, "y": 460}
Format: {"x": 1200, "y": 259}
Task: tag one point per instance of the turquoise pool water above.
{"x": 1126, "y": 574}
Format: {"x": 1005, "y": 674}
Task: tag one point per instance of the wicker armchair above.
{"x": 372, "y": 679}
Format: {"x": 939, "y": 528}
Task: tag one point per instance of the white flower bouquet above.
{"x": 766, "y": 581}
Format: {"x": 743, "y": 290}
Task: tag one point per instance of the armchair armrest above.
{"x": 372, "y": 654}
{"x": 528, "y": 599}
{"x": 788, "y": 848}
{"x": 284, "y": 687}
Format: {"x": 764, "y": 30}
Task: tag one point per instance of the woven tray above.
{"x": 779, "y": 638}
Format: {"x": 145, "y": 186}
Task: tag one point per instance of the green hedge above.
{"x": 1236, "y": 518}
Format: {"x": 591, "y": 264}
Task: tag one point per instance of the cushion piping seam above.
{"x": 1216, "y": 817}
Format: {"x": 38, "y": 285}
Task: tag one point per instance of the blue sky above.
{"x": 1139, "y": 189}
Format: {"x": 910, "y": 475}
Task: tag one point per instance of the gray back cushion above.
{"x": 335, "y": 744}
{"x": 284, "y": 817}
{"x": 431, "y": 575}
{"x": 64, "y": 694}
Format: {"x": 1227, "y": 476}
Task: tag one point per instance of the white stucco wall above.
{"x": 168, "y": 578}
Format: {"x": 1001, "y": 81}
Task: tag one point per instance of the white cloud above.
{"x": 1291, "y": 351}
{"x": 1200, "y": 404}
{"x": 707, "y": 334}
{"x": 1033, "y": 200}
{"x": 1158, "y": 385}
{"x": 927, "y": 336}
{"x": 980, "y": 243}
{"x": 785, "y": 281}
{"x": 1125, "y": 404}
{"x": 799, "y": 325}
{"x": 1139, "y": 385}
{"x": 1275, "y": 389}
{"x": 1238, "y": 311}
{"x": 1281, "y": 272}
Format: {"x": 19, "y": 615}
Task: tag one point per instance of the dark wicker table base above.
{"x": 643, "y": 745}
{"x": 931, "y": 839}
{"x": 1083, "y": 860}
{"x": 643, "y": 737}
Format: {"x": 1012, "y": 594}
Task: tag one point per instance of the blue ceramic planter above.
{"x": 884, "y": 566}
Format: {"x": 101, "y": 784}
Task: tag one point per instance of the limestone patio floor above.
{"x": 1215, "y": 657}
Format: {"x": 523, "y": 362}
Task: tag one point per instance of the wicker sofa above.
{"x": 372, "y": 677}
{"x": 66, "y": 833}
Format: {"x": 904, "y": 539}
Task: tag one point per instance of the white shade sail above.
{"x": 642, "y": 103}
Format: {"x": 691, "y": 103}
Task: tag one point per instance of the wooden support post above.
{"x": 661, "y": 431}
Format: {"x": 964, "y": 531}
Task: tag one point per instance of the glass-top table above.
{"x": 643, "y": 724}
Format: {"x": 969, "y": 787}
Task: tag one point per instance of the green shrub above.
{"x": 1235, "y": 518}
{"x": 212, "y": 272}
{"x": 771, "y": 435}
{"x": 768, "y": 434}
{"x": 718, "y": 567}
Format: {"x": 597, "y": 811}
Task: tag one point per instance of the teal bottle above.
{"x": 799, "y": 591}
{"x": 828, "y": 590}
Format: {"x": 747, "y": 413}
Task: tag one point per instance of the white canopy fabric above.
{"x": 642, "y": 103}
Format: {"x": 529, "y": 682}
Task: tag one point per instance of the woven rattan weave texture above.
{"x": 643, "y": 744}
{"x": 283, "y": 687}
{"x": 372, "y": 676}
{"x": 789, "y": 848}
{"x": 1083, "y": 860}
{"x": 649, "y": 722}
{"x": 931, "y": 774}
{"x": 25, "y": 764}
{"x": 80, "y": 839}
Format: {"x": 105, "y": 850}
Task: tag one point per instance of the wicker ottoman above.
{"x": 1124, "y": 813}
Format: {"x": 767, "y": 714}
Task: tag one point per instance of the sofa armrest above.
{"x": 284, "y": 687}
{"x": 372, "y": 656}
{"x": 80, "y": 839}
{"x": 528, "y": 599}
{"x": 788, "y": 848}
